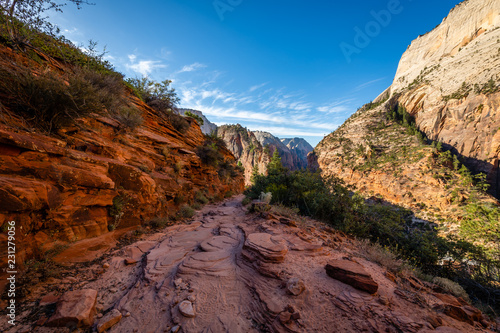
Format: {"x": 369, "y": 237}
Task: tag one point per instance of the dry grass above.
{"x": 380, "y": 255}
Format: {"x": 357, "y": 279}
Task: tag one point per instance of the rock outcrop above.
{"x": 96, "y": 175}
{"x": 255, "y": 148}
{"x": 245, "y": 148}
{"x": 301, "y": 148}
{"x": 230, "y": 271}
{"x": 449, "y": 80}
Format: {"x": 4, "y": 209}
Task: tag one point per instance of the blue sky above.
{"x": 292, "y": 68}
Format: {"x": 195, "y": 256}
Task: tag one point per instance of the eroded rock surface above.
{"x": 227, "y": 271}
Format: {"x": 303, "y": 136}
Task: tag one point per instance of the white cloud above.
{"x": 192, "y": 67}
{"x": 367, "y": 84}
{"x": 143, "y": 67}
{"x": 257, "y": 87}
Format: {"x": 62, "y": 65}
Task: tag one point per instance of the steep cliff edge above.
{"x": 444, "y": 101}
{"x": 96, "y": 174}
{"x": 449, "y": 80}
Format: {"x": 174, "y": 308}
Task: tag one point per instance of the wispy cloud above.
{"x": 143, "y": 67}
{"x": 258, "y": 86}
{"x": 192, "y": 67}
{"x": 367, "y": 84}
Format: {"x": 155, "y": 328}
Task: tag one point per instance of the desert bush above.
{"x": 199, "y": 197}
{"x": 380, "y": 255}
{"x": 49, "y": 100}
{"x": 160, "y": 222}
{"x": 451, "y": 287}
{"x": 129, "y": 117}
{"x": 177, "y": 121}
{"x": 186, "y": 212}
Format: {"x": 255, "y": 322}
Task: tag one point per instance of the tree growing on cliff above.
{"x": 159, "y": 95}
{"x": 22, "y": 19}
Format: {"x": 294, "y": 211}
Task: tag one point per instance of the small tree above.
{"x": 159, "y": 95}
{"x": 275, "y": 167}
{"x": 255, "y": 174}
{"x": 21, "y": 17}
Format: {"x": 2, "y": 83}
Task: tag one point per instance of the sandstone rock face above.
{"x": 380, "y": 159}
{"x": 352, "y": 274}
{"x": 301, "y": 148}
{"x": 246, "y": 148}
{"x": 96, "y": 176}
{"x": 289, "y": 158}
{"x": 75, "y": 309}
{"x": 459, "y": 57}
{"x": 255, "y": 148}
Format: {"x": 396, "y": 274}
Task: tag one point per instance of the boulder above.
{"x": 352, "y": 274}
{"x": 75, "y": 309}
{"x": 109, "y": 320}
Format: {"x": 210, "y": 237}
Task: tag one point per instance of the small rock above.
{"x": 352, "y": 274}
{"x": 99, "y": 307}
{"x": 295, "y": 316}
{"x": 130, "y": 261}
{"x": 105, "y": 266}
{"x": 285, "y": 317}
{"x": 113, "y": 290}
{"x": 295, "y": 286}
{"x": 108, "y": 321}
{"x": 48, "y": 299}
{"x": 99, "y": 315}
{"x": 186, "y": 309}
{"x": 76, "y": 308}
{"x": 177, "y": 282}
{"x": 127, "y": 314}
{"x": 192, "y": 298}
{"x": 175, "y": 329}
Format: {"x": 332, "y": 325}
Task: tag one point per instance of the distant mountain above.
{"x": 299, "y": 147}
{"x": 207, "y": 127}
{"x": 256, "y": 148}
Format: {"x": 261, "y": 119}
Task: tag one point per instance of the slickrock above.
{"x": 206, "y": 276}
{"x": 75, "y": 309}
{"x": 352, "y": 274}
{"x": 109, "y": 320}
{"x": 269, "y": 248}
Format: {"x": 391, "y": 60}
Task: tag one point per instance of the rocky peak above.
{"x": 301, "y": 148}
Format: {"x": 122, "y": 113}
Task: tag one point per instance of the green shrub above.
{"x": 186, "y": 212}
{"x": 199, "y": 197}
{"x": 129, "y": 117}
{"x": 198, "y": 119}
{"x": 50, "y": 101}
{"x": 160, "y": 222}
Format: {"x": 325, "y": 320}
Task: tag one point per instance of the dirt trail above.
{"x": 237, "y": 271}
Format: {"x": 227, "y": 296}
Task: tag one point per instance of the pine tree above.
{"x": 275, "y": 167}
